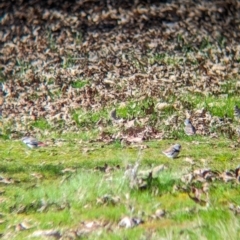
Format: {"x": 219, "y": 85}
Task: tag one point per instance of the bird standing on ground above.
{"x": 189, "y": 128}
{"x": 113, "y": 116}
{"x": 32, "y": 142}
{"x": 173, "y": 151}
{"x": 237, "y": 112}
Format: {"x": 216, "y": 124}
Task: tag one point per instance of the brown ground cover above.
{"x": 60, "y": 56}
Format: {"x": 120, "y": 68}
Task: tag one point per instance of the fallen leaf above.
{"x": 134, "y": 139}
{"x": 67, "y": 170}
{"x": 23, "y": 226}
{"x": 128, "y": 222}
{"x": 47, "y": 233}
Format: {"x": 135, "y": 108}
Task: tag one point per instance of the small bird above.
{"x": 113, "y": 116}
{"x": 173, "y": 151}
{"x": 237, "y": 112}
{"x": 189, "y": 128}
{"x": 32, "y": 142}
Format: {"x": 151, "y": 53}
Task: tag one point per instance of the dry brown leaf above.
{"x": 6, "y": 180}
{"x": 37, "y": 175}
{"x": 47, "y": 233}
{"x": 134, "y": 139}
{"x": 129, "y": 124}
{"x": 160, "y": 213}
{"x": 23, "y": 226}
{"x": 113, "y": 55}
{"x": 127, "y": 222}
{"x": 227, "y": 176}
{"x": 2, "y": 221}
{"x": 234, "y": 208}
{"x": 87, "y": 149}
{"x": 189, "y": 160}
{"x": 67, "y": 170}
{"x": 199, "y": 196}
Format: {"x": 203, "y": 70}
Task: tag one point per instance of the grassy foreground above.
{"x": 64, "y": 67}
{"x": 66, "y": 191}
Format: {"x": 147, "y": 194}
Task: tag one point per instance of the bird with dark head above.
{"x": 237, "y": 112}
{"x": 32, "y": 142}
{"x": 173, "y": 151}
{"x": 189, "y": 128}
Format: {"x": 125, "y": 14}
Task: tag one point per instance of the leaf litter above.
{"x": 121, "y": 53}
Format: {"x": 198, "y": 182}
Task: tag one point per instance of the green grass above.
{"x": 41, "y": 124}
{"x": 79, "y": 83}
{"x": 66, "y": 183}
{"x": 220, "y": 106}
{"x": 72, "y": 196}
{"x": 135, "y": 108}
{"x": 60, "y": 186}
{"x": 88, "y": 118}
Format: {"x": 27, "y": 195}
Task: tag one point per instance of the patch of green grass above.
{"x": 137, "y": 109}
{"x": 119, "y": 234}
{"x": 41, "y": 124}
{"x": 71, "y": 197}
{"x": 79, "y": 83}
{"x": 220, "y": 106}
{"x": 88, "y": 118}
{"x": 229, "y": 88}
{"x": 225, "y": 156}
{"x": 73, "y": 137}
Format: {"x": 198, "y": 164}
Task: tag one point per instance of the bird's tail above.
{"x": 41, "y": 144}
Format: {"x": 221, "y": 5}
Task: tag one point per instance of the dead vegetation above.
{"x": 133, "y": 71}
{"x": 61, "y": 57}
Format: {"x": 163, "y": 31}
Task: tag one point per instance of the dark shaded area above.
{"x": 30, "y": 13}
